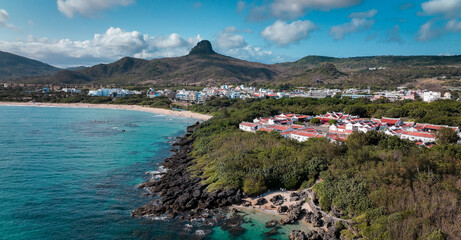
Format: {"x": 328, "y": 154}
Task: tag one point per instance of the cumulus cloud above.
{"x": 107, "y": 47}
{"x": 4, "y": 17}
{"x": 116, "y": 43}
{"x": 393, "y": 35}
{"x": 448, "y": 8}
{"x": 255, "y": 54}
{"x": 295, "y": 8}
{"x": 426, "y": 32}
{"x": 229, "y": 42}
{"x": 283, "y": 33}
{"x": 453, "y": 26}
{"x": 359, "y": 21}
{"x": 291, "y": 9}
{"x": 227, "y": 39}
{"x": 88, "y": 8}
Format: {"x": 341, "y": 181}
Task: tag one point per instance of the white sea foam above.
{"x": 156, "y": 174}
{"x": 187, "y": 227}
{"x": 156, "y": 218}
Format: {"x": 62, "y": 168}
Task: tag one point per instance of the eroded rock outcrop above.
{"x": 178, "y": 192}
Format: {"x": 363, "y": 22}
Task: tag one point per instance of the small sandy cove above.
{"x": 269, "y": 206}
{"x": 187, "y": 114}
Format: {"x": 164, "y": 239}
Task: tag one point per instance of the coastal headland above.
{"x": 181, "y": 194}
{"x": 178, "y": 194}
{"x": 187, "y": 114}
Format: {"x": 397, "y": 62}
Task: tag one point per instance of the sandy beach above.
{"x": 270, "y": 207}
{"x": 187, "y": 114}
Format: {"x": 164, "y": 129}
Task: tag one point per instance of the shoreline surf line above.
{"x": 187, "y": 114}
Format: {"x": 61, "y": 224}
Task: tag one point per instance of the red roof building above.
{"x": 391, "y": 121}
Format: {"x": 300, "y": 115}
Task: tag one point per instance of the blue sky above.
{"x": 86, "y": 32}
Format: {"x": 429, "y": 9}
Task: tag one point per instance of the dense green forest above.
{"x": 389, "y": 188}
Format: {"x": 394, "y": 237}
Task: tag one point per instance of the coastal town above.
{"x": 244, "y": 92}
{"x": 249, "y": 92}
{"x": 337, "y": 126}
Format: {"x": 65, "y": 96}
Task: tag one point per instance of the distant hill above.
{"x": 322, "y": 73}
{"x": 75, "y": 68}
{"x": 12, "y": 66}
{"x": 374, "y": 61}
{"x": 203, "y": 66}
{"x": 378, "y": 71}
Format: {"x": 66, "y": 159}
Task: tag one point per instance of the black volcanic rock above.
{"x": 181, "y": 194}
{"x": 203, "y": 47}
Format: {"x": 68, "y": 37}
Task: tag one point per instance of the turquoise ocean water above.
{"x": 71, "y": 173}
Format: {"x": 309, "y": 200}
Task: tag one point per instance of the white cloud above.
{"x": 88, "y": 8}
{"x": 426, "y": 32}
{"x": 227, "y": 39}
{"x": 288, "y": 9}
{"x": 254, "y": 54}
{"x": 230, "y": 43}
{"x": 116, "y": 43}
{"x": 453, "y": 26}
{"x": 107, "y": 47}
{"x": 359, "y": 21}
{"x": 448, "y": 8}
{"x": 283, "y": 34}
{"x": 4, "y": 17}
{"x": 291, "y": 9}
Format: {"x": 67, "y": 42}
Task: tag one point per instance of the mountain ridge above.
{"x": 203, "y": 66}
{"x": 13, "y": 66}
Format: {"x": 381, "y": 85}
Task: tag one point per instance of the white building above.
{"x": 71, "y": 90}
{"x": 431, "y": 96}
{"x": 424, "y": 137}
{"x": 249, "y": 127}
{"x": 303, "y": 136}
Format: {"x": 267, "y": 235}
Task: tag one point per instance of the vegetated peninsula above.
{"x": 203, "y": 66}
{"x": 370, "y": 186}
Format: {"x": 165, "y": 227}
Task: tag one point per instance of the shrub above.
{"x": 254, "y": 186}
{"x": 315, "y": 121}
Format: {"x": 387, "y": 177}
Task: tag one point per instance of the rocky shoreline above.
{"x": 179, "y": 195}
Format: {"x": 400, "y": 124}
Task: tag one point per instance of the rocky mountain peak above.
{"x": 203, "y": 47}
